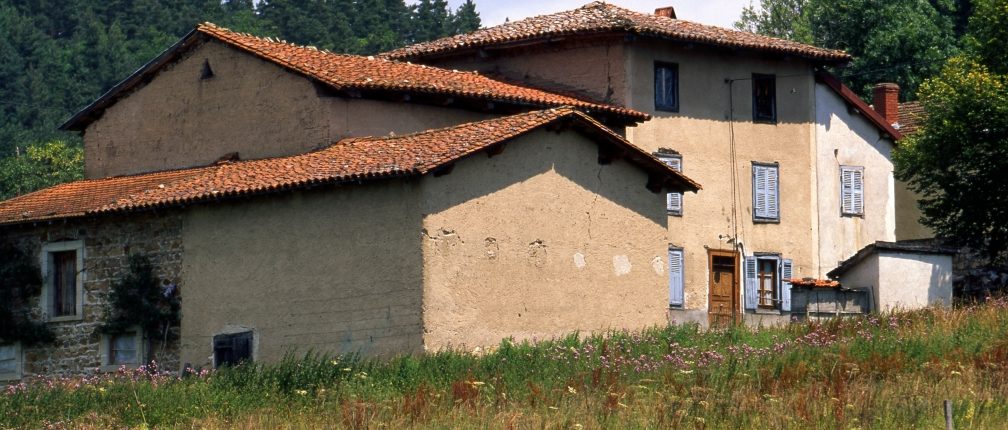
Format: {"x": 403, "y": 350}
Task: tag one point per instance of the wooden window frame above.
{"x": 663, "y": 105}
{"x": 774, "y": 283}
{"x": 48, "y": 287}
{"x": 757, "y": 79}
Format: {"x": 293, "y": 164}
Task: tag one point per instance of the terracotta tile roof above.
{"x": 910, "y": 115}
{"x": 599, "y": 18}
{"x": 814, "y": 283}
{"x": 855, "y": 102}
{"x": 347, "y": 161}
{"x": 354, "y": 73}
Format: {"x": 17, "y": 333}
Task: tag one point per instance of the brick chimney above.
{"x": 667, "y": 12}
{"x": 885, "y": 100}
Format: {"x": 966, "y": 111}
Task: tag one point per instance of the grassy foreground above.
{"x": 891, "y": 371}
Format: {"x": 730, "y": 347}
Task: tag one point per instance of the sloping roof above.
{"x": 600, "y": 18}
{"x": 350, "y": 73}
{"x": 910, "y": 115}
{"x": 907, "y": 247}
{"x": 351, "y": 160}
{"x": 855, "y": 102}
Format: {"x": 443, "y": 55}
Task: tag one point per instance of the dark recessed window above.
{"x": 764, "y": 98}
{"x": 232, "y": 349}
{"x": 666, "y": 87}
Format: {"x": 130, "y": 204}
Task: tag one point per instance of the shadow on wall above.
{"x": 569, "y": 154}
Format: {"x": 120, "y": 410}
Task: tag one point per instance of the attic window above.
{"x": 207, "y": 72}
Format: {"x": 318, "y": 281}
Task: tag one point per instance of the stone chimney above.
{"x": 667, "y": 12}
{"x": 885, "y": 100}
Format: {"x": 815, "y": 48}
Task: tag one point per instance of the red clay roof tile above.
{"x": 349, "y": 160}
{"x": 814, "y": 283}
{"x": 600, "y": 17}
{"x": 354, "y": 72}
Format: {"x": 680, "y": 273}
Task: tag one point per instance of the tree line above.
{"x": 59, "y": 55}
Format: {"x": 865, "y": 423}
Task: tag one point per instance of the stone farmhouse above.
{"x": 526, "y": 180}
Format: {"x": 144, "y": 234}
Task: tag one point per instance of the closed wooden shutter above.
{"x": 751, "y": 287}
{"x": 765, "y": 196}
{"x": 675, "y": 277}
{"x": 785, "y": 288}
{"x": 852, "y": 190}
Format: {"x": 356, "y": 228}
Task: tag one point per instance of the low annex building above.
{"x": 530, "y": 225}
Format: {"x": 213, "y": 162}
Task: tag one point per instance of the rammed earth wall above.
{"x": 108, "y": 242}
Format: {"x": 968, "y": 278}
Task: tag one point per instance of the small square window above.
{"x": 122, "y": 349}
{"x": 63, "y": 271}
{"x": 232, "y": 349}
{"x": 10, "y": 361}
{"x": 764, "y": 89}
{"x": 666, "y": 87}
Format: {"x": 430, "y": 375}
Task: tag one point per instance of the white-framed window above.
{"x": 852, "y": 190}
{"x": 766, "y": 196}
{"x": 122, "y": 349}
{"x": 768, "y": 282}
{"x": 10, "y": 362}
{"x": 673, "y": 201}
{"x": 63, "y": 274}
{"x": 675, "y": 269}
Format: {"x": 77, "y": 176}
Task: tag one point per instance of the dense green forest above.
{"x": 59, "y": 55}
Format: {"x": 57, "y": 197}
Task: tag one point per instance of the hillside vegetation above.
{"x": 890, "y": 371}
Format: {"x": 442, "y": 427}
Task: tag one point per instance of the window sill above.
{"x": 65, "y": 319}
{"x": 860, "y": 215}
{"x": 675, "y": 214}
{"x": 765, "y": 221}
{"x": 764, "y": 311}
{"x": 765, "y": 121}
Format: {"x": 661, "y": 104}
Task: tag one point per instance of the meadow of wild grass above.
{"x": 889, "y": 371}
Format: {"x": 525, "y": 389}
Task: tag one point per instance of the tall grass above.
{"x": 890, "y": 371}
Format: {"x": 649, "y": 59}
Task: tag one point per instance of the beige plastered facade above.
{"x": 715, "y": 115}
{"x": 844, "y": 138}
{"x": 250, "y": 106}
{"x": 535, "y": 242}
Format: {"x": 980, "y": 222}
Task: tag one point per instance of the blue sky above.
{"x": 714, "y": 12}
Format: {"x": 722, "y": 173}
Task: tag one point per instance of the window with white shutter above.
{"x": 673, "y": 201}
{"x": 768, "y": 282}
{"x": 785, "y": 287}
{"x": 751, "y": 287}
{"x": 666, "y": 87}
{"x": 851, "y": 190}
{"x": 675, "y": 277}
{"x": 766, "y": 201}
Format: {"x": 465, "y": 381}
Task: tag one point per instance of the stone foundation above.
{"x": 108, "y": 242}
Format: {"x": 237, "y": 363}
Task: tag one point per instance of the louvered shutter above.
{"x": 846, "y": 190}
{"x": 676, "y": 277}
{"x": 751, "y": 289}
{"x": 857, "y": 181}
{"x": 759, "y": 191}
{"x": 772, "y": 202}
{"x": 674, "y": 200}
{"x": 785, "y": 286}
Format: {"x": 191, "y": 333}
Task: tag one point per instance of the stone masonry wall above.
{"x": 108, "y": 242}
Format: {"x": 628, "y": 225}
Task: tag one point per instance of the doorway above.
{"x": 724, "y": 288}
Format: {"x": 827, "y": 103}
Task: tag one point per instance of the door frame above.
{"x": 736, "y": 291}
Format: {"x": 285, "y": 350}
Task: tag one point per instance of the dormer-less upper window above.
{"x": 666, "y": 87}
{"x": 764, "y": 98}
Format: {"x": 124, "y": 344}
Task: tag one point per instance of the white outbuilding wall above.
{"x": 900, "y": 278}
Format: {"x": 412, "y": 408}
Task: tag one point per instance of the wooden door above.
{"x": 724, "y": 288}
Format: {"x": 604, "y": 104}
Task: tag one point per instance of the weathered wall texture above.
{"x": 847, "y": 139}
{"x": 908, "y": 215}
{"x": 912, "y": 280}
{"x": 541, "y": 241}
{"x": 595, "y": 71}
{"x": 108, "y": 243}
{"x": 702, "y": 133}
{"x": 249, "y": 106}
{"x": 334, "y": 271}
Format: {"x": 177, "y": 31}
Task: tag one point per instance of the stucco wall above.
{"x": 108, "y": 243}
{"x": 864, "y": 276}
{"x": 847, "y": 139}
{"x": 912, "y": 280}
{"x": 541, "y": 241}
{"x": 249, "y": 106}
{"x": 592, "y": 70}
{"x": 908, "y": 215}
{"x": 702, "y": 133}
{"x": 334, "y": 271}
